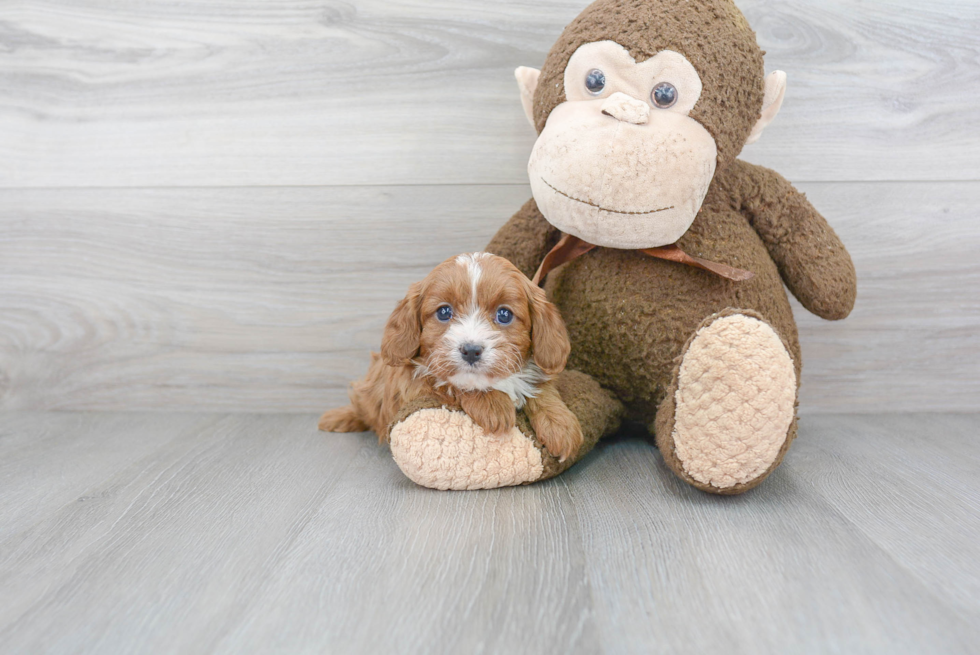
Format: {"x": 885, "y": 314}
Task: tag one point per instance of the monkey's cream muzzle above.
{"x": 620, "y": 174}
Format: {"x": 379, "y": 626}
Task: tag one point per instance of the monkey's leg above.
{"x": 730, "y": 413}
{"x": 444, "y": 449}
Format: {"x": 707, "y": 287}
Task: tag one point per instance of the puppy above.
{"x": 474, "y": 334}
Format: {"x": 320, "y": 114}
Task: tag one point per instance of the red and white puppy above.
{"x": 475, "y": 334}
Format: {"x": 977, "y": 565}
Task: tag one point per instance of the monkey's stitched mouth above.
{"x": 600, "y": 207}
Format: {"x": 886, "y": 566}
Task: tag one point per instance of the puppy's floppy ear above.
{"x": 549, "y": 338}
{"x": 403, "y": 331}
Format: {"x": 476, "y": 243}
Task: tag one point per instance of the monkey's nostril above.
{"x": 627, "y": 109}
{"x": 471, "y": 352}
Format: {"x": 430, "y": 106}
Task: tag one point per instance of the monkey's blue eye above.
{"x": 444, "y": 313}
{"x": 504, "y": 316}
{"x": 664, "y": 95}
{"x": 595, "y": 81}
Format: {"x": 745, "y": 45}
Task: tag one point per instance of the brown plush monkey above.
{"x": 666, "y": 255}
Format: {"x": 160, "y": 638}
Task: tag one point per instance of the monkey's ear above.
{"x": 403, "y": 333}
{"x": 527, "y": 81}
{"x": 775, "y": 92}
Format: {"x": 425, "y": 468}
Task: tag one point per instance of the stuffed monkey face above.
{"x": 620, "y": 163}
{"x": 638, "y": 103}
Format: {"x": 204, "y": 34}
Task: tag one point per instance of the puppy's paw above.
{"x": 498, "y": 423}
{"x": 493, "y": 411}
{"x": 559, "y": 430}
{"x": 342, "y": 419}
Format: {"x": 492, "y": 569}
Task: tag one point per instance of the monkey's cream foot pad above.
{"x": 735, "y": 402}
{"x": 445, "y": 449}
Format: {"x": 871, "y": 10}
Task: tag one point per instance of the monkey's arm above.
{"x": 808, "y": 253}
{"x": 525, "y": 239}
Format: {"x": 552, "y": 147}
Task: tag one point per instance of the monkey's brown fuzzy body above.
{"x": 636, "y": 322}
{"x": 629, "y": 316}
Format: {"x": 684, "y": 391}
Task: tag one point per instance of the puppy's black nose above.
{"x": 471, "y": 352}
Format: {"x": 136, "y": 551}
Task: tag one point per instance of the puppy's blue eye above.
{"x": 595, "y": 81}
{"x": 444, "y": 313}
{"x": 504, "y": 316}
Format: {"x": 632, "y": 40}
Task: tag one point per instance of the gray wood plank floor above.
{"x": 250, "y": 533}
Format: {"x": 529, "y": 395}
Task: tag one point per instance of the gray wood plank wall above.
{"x": 215, "y": 205}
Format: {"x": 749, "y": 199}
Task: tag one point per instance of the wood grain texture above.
{"x": 238, "y": 299}
{"x": 921, "y": 470}
{"x": 271, "y": 299}
{"x": 52, "y": 460}
{"x": 443, "y": 572}
{"x": 224, "y": 93}
{"x": 253, "y": 533}
{"x": 913, "y": 340}
{"x": 174, "y": 545}
{"x": 681, "y": 571}
{"x": 257, "y": 293}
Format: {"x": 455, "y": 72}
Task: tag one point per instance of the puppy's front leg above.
{"x": 554, "y": 424}
{"x": 492, "y": 410}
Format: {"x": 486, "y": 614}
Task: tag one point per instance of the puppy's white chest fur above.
{"x": 523, "y": 385}
{"x": 518, "y": 387}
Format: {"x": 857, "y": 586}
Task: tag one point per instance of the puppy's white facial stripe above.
{"x": 472, "y": 263}
{"x": 472, "y": 257}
